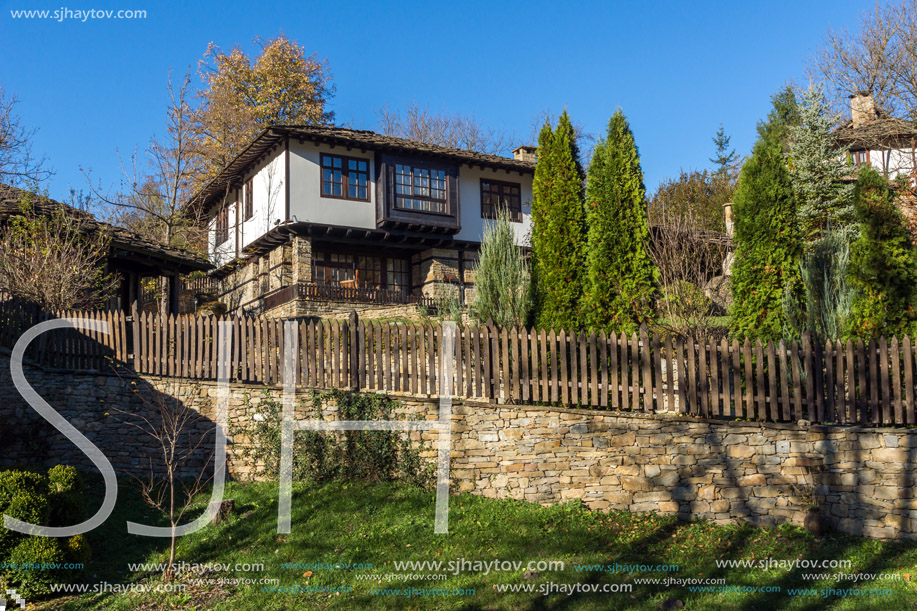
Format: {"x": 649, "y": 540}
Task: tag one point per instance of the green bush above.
{"x": 883, "y": 264}
{"x": 15, "y": 481}
{"x": 54, "y": 499}
{"x": 66, "y": 496}
{"x": 34, "y": 582}
{"x": 77, "y": 550}
{"x": 27, "y": 506}
{"x": 64, "y": 479}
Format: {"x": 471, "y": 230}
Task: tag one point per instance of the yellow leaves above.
{"x": 283, "y": 85}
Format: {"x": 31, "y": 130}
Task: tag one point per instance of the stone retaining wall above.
{"x": 863, "y": 479}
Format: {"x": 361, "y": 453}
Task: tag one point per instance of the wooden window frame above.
{"x": 515, "y": 211}
{"x": 324, "y": 260}
{"x": 345, "y": 177}
{"x": 248, "y": 199}
{"x": 446, "y": 202}
{"x": 856, "y": 158}
{"x": 221, "y": 227}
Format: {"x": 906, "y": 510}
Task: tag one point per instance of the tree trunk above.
{"x": 163, "y": 296}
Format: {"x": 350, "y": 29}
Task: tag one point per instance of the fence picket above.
{"x": 862, "y": 402}
{"x": 562, "y": 353}
{"x": 571, "y": 355}
{"x": 669, "y": 375}
{"x": 715, "y": 395}
{"x": 749, "y": 380}
{"x": 784, "y": 373}
{"x": 634, "y": 367}
{"x": 736, "y": 375}
{"x": 908, "y": 381}
{"x": 884, "y": 385}
{"x": 647, "y": 370}
{"x": 702, "y": 387}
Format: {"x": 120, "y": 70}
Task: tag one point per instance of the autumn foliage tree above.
{"x": 241, "y": 97}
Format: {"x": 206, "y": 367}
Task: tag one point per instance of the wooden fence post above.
{"x": 353, "y": 336}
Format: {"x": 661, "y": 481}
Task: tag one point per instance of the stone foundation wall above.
{"x": 338, "y": 310}
{"x": 287, "y": 264}
{"x": 863, "y": 479}
{"x": 437, "y": 273}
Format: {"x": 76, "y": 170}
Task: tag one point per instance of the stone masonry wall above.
{"x": 863, "y": 479}
{"x": 339, "y": 310}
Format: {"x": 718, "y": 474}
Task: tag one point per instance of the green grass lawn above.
{"x": 380, "y": 524}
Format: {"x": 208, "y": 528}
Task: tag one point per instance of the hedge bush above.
{"x": 52, "y": 499}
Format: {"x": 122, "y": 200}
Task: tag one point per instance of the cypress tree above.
{"x": 767, "y": 237}
{"x": 826, "y": 218}
{"x": 620, "y": 275}
{"x": 501, "y": 278}
{"x": 883, "y": 266}
{"x": 558, "y": 228}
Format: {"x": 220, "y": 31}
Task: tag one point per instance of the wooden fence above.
{"x": 831, "y": 382}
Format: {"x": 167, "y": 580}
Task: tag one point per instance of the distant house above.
{"x": 885, "y": 143}
{"x": 318, "y": 220}
{"x": 131, "y": 256}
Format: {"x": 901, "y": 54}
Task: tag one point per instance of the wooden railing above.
{"x": 201, "y": 284}
{"x": 869, "y": 383}
{"x": 308, "y": 291}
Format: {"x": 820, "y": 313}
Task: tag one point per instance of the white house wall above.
{"x": 306, "y": 201}
{"x": 470, "y": 201}
{"x": 269, "y": 198}
{"x": 223, "y": 252}
{"x": 892, "y": 162}
{"x": 268, "y": 206}
{"x": 308, "y": 205}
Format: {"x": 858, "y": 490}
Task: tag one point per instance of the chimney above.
{"x": 727, "y": 210}
{"x": 526, "y": 153}
{"x": 862, "y": 108}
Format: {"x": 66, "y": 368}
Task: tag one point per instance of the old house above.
{"x": 130, "y": 256}
{"x": 323, "y": 220}
{"x": 887, "y": 144}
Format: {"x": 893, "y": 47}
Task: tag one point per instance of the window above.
{"x": 495, "y": 194}
{"x": 361, "y": 271}
{"x": 398, "y": 275}
{"x": 248, "y": 197}
{"x": 420, "y": 189}
{"x": 345, "y": 177}
{"x": 222, "y": 225}
{"x": 860, "y": 158}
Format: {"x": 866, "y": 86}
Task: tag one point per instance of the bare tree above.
{"x": 152, "y": 197}
{"x": 17, "y": 164}
{"x": 880, "y": 57}
{"x": 54, "y": 257}
{"x": 174, "y": 478}
{"x": 455, "y": 131}
{"x": 687, "y": 256}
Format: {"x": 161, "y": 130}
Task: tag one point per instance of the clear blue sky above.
{"x": 677, "y": 69}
